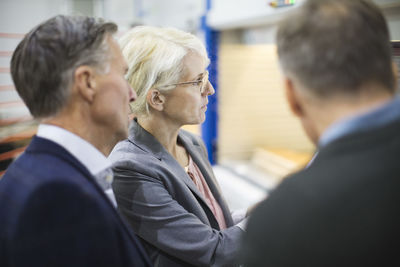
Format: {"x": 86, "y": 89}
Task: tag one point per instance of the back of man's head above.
{"x": 43, "y": 64}
{"x": 337, "y": 47}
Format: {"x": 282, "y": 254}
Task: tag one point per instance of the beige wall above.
{"x": 252, "y": 109}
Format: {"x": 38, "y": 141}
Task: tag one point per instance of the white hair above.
{"x": 155, "y": 58}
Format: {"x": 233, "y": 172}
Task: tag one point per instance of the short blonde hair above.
{"x": 155, "y": 58}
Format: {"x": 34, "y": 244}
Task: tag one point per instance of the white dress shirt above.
{"x": 97, "y": 164}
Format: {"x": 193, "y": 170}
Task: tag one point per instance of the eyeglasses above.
{"x": 202, "y": 83}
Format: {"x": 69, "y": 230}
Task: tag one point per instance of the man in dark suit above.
{"x": 342, "y": 210}
{"x": 53, "y": 210}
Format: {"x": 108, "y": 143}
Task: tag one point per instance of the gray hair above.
{"x": 43, "y": 64}
{"x": 155, "y": 58}
{"x": 336, "y": 47}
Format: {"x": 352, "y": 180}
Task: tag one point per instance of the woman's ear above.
{"x": 85, "y": 82}
{"x": 155, "y": 99}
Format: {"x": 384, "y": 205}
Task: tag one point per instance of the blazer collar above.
{"x": 145, "y": 140}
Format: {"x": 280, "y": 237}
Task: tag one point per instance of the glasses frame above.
{"x": 203, "y": 81}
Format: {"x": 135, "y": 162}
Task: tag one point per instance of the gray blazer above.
{"x": 165, "y": 208}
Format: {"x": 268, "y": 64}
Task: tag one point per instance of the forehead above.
{"x": 194, "y": 64}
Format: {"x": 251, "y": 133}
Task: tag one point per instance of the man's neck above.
{"x": 85, "y": 130}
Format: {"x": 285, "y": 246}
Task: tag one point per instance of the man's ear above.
{"x": 155, "y": 99}
{"x": 85, "y": 82}
{"x": 395, "y": 70}
{"x": 293, "y": 98}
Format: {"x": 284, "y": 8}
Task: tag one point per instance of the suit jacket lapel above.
{"x": 174, "y": 166}
{"x": 195, "y": 152}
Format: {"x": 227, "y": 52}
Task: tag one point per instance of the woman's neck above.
{"x": 165, "y": 132}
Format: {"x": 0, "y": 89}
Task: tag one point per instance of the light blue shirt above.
{"x": 375, "y": 118}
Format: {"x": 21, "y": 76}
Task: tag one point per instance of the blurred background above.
{"x": 252, "y": 138}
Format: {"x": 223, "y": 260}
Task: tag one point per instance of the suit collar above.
{"x": 42, "y": 145}
{"x": 385, "y": 114}
{"x": 81, "y": 149}
{"x": 144, "y": 140}
{"x": 147, "y": 142}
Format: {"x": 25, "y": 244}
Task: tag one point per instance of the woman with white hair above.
{"x": 164, "y": 184}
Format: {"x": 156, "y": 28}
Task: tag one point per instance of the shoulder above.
{"x": 33, "y": 195}
{"x": 30, "y": 174}
{"x": 35, "y": 169}
{"x": 129, "y": 150}
{"x": 125, "y": 146}
{"x": 128, "y": 156}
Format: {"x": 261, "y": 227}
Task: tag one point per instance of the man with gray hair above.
{"x": 342, "y": 210}
{"x": 69, "y": 71}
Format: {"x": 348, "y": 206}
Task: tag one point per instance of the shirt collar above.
{"x": 377, "y": 117}
{"x": 85, "y": 152}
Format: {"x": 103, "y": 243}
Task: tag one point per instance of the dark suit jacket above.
{"x": 164, "y": 206}
{"x": 52, "y": 213}
{"x": 341, "y": 211}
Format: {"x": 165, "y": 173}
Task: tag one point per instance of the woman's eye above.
{"x": 197, "y": 82}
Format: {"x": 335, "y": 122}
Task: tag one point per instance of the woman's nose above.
{"x": 209, "y": 88}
